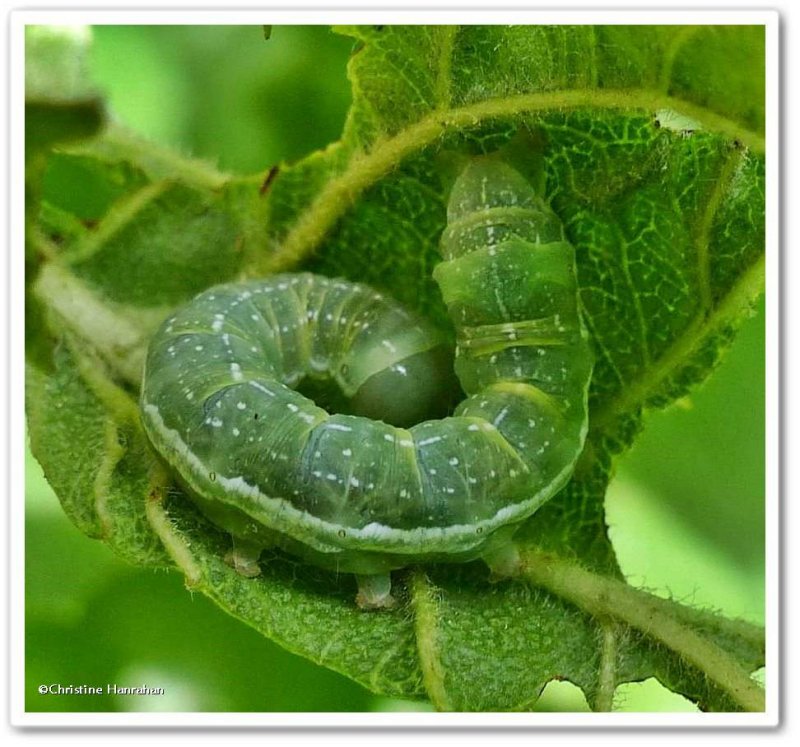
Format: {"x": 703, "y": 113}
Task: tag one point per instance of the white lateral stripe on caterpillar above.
{"x": 282, "y": 515}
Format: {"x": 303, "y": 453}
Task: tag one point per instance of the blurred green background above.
{"x": 685, "y": 511}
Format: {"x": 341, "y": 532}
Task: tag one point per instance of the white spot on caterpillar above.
{"x": 431, "y": 440}
{"x": 339, "y": 427}
{"x": 241, "y": 406}
{"x": 354, "y": 482}
{"x": 261, "y": 388}
{"x": 347, "y": 452}
{"x": 236, "y": 372}
{"x": 453, "y": 461}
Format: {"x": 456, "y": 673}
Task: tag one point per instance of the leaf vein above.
{"x": 637, "y": 303}
{"x": 748, "y": 287}
{"x": 425, "y": 624}
{"x": 607, "y": 676}
{"x": 702, "y": 235}
{"x": 444, "y": 75}
{"x": 607, "y": 598}
{"x": 337, "y": 195}
{"x": 671, "y": 54}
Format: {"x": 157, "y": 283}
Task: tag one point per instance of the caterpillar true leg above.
{"x": 243, "y": 557}
{"x": 374, "y": 591}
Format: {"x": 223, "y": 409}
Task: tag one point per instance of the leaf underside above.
{"x": 668, "y": 226}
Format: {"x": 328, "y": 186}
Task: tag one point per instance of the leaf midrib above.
{"x": 338, "y": 195}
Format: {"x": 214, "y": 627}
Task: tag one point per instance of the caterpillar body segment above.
{"x": 375, "y": 489}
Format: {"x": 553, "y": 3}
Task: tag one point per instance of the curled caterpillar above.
{"x": 363, "y": 492}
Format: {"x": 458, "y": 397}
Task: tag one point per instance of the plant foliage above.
{"x": 649, "y": 145}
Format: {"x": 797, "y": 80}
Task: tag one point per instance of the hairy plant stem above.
{"x": 609, "y": 599}
{"x": 607, "y": 681}
{"x": 160, "y": 521}
{"x": 423, "y": 600}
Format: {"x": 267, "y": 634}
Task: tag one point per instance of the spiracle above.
{"x": 369, "y": 488}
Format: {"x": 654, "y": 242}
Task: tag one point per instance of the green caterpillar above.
{"x": 362, "y": 493}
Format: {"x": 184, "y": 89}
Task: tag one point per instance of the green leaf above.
{"x": 668, "y": 225}
{"x": 96, "y": 461}
{"x": 101, "y": 184}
